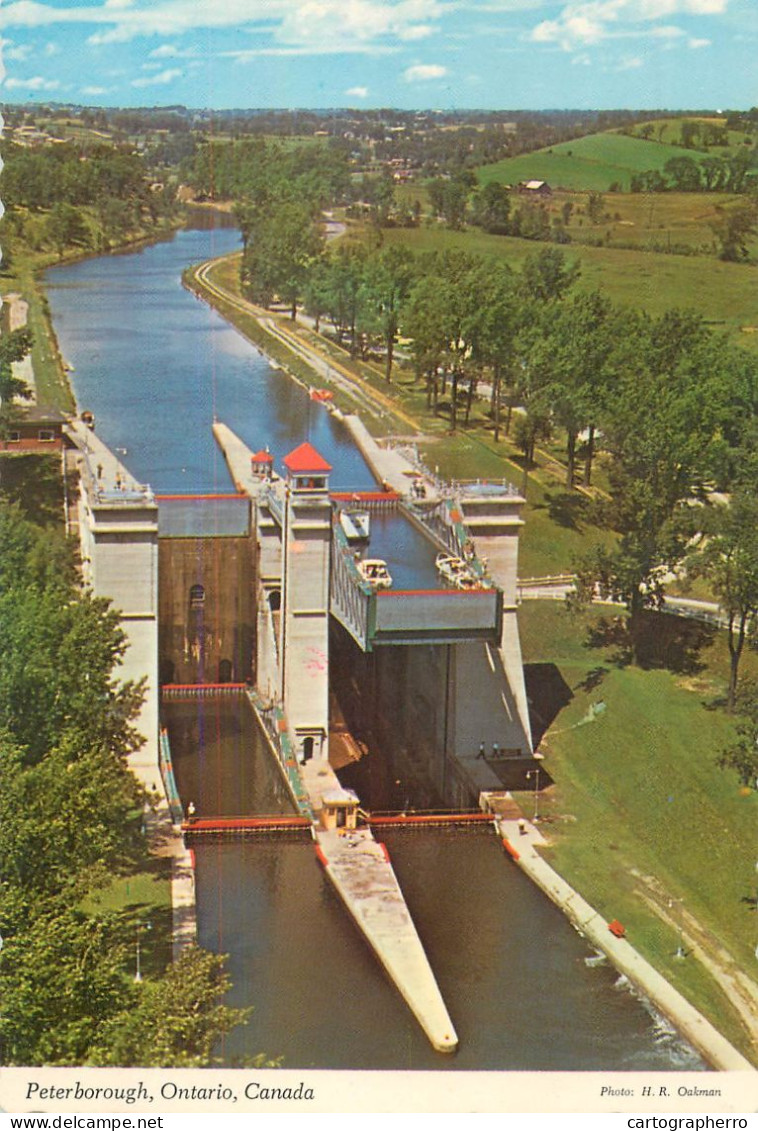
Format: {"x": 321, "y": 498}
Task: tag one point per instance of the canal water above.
{"x": 524, "y": 991}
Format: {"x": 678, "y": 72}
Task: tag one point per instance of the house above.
{"x": 534, "y": 188}
{"x": 33, "y": 428}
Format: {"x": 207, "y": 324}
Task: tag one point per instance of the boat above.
{"x": 356, "y": 525}
{"x": 455, "y": 571}
{"x": 375, "y": 572}
{"x": 322, "y": 395}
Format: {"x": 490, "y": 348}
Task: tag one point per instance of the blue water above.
{"x": 156, "y": 365}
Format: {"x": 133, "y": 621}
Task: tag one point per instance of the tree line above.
{"x": 71, "y": 819}
{"x": 61, "y": 196}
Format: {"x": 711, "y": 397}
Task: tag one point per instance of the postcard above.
{"x": 378, "y": 411}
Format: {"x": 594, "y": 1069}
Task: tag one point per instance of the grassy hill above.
{"x": 723, "y": 293}
{"x": 591, "y": 163}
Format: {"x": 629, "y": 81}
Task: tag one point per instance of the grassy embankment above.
{"x": 609, "y": 811}
{"x": 640, "y": 813}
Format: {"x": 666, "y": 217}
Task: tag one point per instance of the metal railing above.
{"x": 169, "y": 781}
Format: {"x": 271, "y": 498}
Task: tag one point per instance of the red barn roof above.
{"x": 306, "y": 459}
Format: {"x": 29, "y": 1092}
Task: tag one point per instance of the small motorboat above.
{"x": 322, "y": 395}
{"x": 455, "y": 571}
{"x": 356, "y": 525}
{"x": 375, "y": 572}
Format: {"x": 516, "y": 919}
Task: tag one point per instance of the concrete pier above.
{"x": 363, "y": 876}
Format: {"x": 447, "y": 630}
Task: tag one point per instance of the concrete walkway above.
{"x": 691, "y": 1024}
{"x": 18, "y": 311}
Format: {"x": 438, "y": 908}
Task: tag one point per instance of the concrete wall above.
{"x": 120, "y": 562}
{"x": 423, "y": 710}
{"x": 209, "y": 639}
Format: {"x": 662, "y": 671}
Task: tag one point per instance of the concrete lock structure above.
{"x": 263, "y": 589}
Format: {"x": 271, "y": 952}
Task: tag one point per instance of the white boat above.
{"x": 375, "y": 572}
{"x": 356, "y": 525}
{"x": 455, "y": 571}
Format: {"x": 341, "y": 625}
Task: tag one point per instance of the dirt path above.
{"x": 702, "y": 944}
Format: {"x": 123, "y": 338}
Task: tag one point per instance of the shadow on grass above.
{"x": 568, "y": 509}
{"x": 659, "y": 641}
{"x": 547, "y": 693}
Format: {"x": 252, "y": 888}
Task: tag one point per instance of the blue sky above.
{"x": 444, "y": 54}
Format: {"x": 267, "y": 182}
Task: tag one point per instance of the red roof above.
{"x": 262, "y": 457}
{"x": 305, "y": 459}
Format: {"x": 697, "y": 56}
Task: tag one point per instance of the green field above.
{"x": 638, "y": 794}
{"x": 590, "y": 163}
{"x": 722, "y": 293}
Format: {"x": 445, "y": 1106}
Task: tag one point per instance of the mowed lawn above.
{"x": 589, "y": 163}
{"x": 638, "y": 793}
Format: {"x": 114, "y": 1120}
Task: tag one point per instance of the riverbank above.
{"x": 522, "y": 840}
{"x": 51, "y": 369}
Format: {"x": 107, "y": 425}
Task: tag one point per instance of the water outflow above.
{"x": 154, "y": 364}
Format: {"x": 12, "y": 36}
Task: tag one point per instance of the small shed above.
{"x": 339, "y": 809}
{"x": 262, "y": 464}
{"x": 535, "y": 188}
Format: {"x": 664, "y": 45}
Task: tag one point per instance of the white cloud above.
{"x": 667, "y": 31}
{"x": 630, "y": 64}
{"x": 169, "y": 51}
{"x": 581, "y": 61}
{"x": 92, "y": 90}
{"x": 695, "y": 43}
{"x": 422, "y": 72}
{"x": 17, "y": 54}
{"x": 357, "y": 92}
{"x": 339, "y": 24}
{"x": 418, "y": 31}
{"x": 588, "y": 22}
{"x": 159, "y": 80}
{"x": 51, "y": 49}
{"x": 37, "y": 83}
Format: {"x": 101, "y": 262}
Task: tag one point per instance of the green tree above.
{"x": 14, "y": 346}
{"x": 60, "y": 978}
{"x": 659, "y": 425}
{"x": 734, "y": 227}
{"x": 729, "y": 559}
{"x": 278, "y": 258}
{"x": 387, "y": 279}
{"x": 546, "y": 275}
{"x": 174, "y": 1021}
{"x": 66, "y": 228}
{"x": 492, "y": 208}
